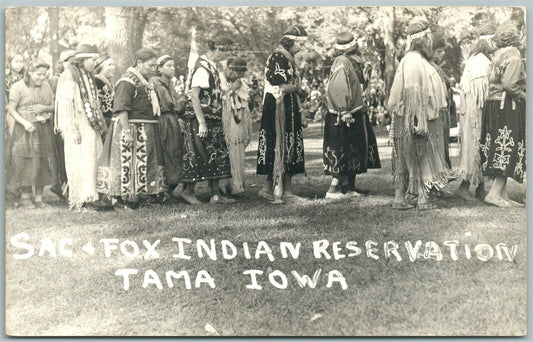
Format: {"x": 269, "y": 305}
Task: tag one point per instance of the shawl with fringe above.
{"x": 417, "y": 93}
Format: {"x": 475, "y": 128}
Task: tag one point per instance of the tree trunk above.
{"x": 120, "y": 37}
{"x": 139, "y": 22}
{"x": 388, "y": 18}
{"x": 53, "y": 16}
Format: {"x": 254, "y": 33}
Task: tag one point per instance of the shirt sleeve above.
{"x": 15, "y": 93}
{"x": 124, "y": 93}
{"x": 200, "y": 79}
{"x": 277, "y": 69}
{"x": 511, "y": 76}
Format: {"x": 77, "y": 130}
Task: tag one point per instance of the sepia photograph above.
{"x": 265, "y": 171}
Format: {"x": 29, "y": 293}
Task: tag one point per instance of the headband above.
{"x": 420, "y": 34}
{"x": 104, "y": 62}
{"x": 346, "y": 46}
{"x": 163, "y": 59}
{"x": 293, "y": 37}
{"x": 86, "y": 55}
{"x": 486, "y": 36}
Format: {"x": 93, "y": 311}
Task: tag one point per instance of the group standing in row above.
{"x": 139, "y": 139}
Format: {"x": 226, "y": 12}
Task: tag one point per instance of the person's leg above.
{"x": 480, "y": 191}
{"x": 399, "y": 202}
{"x": 505, "y": 196}
{"x": 216, "y": 196}
{"x": 267, "y": 189}
{"x": 188, "y": 193}
{"x": 494, "y": 196}
{"x": 25, "y": 198}
{"x": 463, "y": 191}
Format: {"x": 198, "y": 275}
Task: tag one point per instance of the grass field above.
{"x": 81, "y": 295}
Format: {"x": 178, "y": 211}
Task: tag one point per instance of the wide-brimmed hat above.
{"x": 86, "y": 51}
{"x": 345, "y": 41}
{"x": 296, "y": 32}
{"x": 66, "y": 55}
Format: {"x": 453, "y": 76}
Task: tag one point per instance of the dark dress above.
{"x": 169, "y": 126}
{"x": 138, "y": 169}
{"x": 33, "y": 155}
{"x": 205, "y": 158}
{"x": 281, "y": 70}
{"x": 348, "y": 150}
{"x": 105, "y": 95}
{"x": 503, "y": 134}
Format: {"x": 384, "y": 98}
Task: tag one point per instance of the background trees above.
{"x": 45, "y": 32}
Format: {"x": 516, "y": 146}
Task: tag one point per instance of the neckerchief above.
{"x": 153, "y": 96}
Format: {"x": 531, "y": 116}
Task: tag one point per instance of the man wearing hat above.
{"x": 236, "y": 123}
{"x": 417, "y": 100}
{"x": 350, "y": 145}
{"x": 280, "y": 153}
{"x": 80, "y": 121}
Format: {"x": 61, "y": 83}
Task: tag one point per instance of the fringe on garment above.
{"x": 279, "y": 157}
{"x": 416, "y": 105}
{"x": 478, "y": 88}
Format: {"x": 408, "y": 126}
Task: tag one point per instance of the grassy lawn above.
{"x": 81, "y": 295}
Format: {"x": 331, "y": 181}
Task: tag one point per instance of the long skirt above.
{"x": 349, "y": 150}
{"x": 470, "y": 132}
{"x": 419, "y": 160}
{"x": 204, "y": 158}
{"x": 503, "y": 139}
{"x": 33, "y": 158}
{"x": 81, "y": 164}
{"x": 172, "y": 144}
{"x": 134, "y": 170}
{"x": 294, "y": 141}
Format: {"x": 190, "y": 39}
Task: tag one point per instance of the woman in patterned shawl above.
{"x": 34, "y": 159}
{"x": 503, "y": 133}
{"x": 105, "y": 70}
{"x": 171, "y": 106}
{"x": 474, "y": 90}
{"x": 131, "y": 165}
{"x": 206, "y": 155}
{"x": 417, "y": 99}
{"x": 79, "y": 119}
{"x": 280, "y": 152}
{"x": 350, "y": 145}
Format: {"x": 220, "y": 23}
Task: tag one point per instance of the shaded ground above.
{"x": 81, "y": 295}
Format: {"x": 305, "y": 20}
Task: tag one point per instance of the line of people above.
{"x": 139, "y": 140}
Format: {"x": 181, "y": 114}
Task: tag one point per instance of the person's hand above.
{"x": 202, "y": 130}
{"x": 34, "y": 109}
{"x": 29, "y": 127}
{"x": 302, "y": 93}
{"x": 348, "y": 119}
{"x": 76, "y": 138}
{"x": 236, "y": 86}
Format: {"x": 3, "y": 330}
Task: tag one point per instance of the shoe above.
{"x": 363, "y": 192}
{"x": 56, "y": 189}
{"x": 190, "y": 198}
{"x": 41, "y": 204}
{"x": 402, "y": 206}
{"x": 427, "y": 206}
{"x": 338, "y": 195}
{"x": 465, "y": 195}
{"x": 219, "y": 199}
{"x": 353, "y": 194}
{"x": 411, "y": 198}
{"x": 289, "y": 197}
{"x": 26, "y": 203}
{"x": 266, "y": 195}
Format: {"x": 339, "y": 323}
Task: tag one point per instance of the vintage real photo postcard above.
{"x": 265, "y": 171}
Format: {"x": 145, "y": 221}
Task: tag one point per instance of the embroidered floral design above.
{"x": 504, "y": 140}
{"x": 141, "y": 160}
{"x": 332, "y": 161}
{"x": 280, "y": 71}
{"x": 261, "y": 148}
{"x": 519, "y": 168}
{"x": 485, "y": 148}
